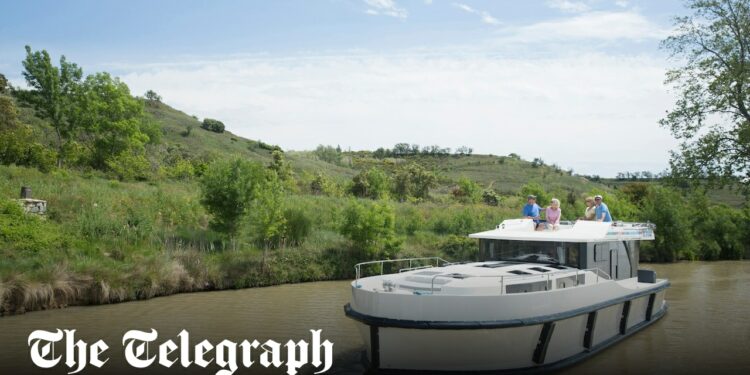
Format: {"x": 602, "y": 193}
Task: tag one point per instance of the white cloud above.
{"x": 385, "y": 7}
{"x": 428, "y": 2}
{"x": 486, "y": 17}
{"x": 608, "y": 26}
{"x": 622, "y": 3}
{"x": 592, "y": 112}
{"x": 568, "y": 5}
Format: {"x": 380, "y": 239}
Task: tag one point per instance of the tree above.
{"x": 18, "y": 143}
{"x": 665, "y": 208}
{"x": 4, "y": 86}
{"x": 152, "y": 96}
{"x": 113, "y": 121}
{"x": 280, "y": 165}
{"x": 52, "y": 89}
{"x": 711, "y": 116}
{"x": 228, "y": 190}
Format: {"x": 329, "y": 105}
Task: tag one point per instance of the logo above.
{"x": 142, "y": 350}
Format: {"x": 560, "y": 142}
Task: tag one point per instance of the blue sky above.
{"x": 576, "y": 82}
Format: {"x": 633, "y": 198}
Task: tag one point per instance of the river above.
{"x": 707, "y": 328}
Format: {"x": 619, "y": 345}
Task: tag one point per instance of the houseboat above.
{"x": 535, "y": 300}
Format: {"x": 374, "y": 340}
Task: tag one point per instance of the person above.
{"x": 590, "y": 213}
{"x": 553, "y": 214}
{"x": 531, "y": 210}
{"x": 602, "y": 211}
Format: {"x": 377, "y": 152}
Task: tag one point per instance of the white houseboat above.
{"x": 536, "y": 300}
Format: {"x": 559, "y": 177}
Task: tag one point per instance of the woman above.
{"x": 590, "y": 213}
{"x": 553, "y": 214}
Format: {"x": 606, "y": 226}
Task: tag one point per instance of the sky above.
{"x": 578, "y": 83}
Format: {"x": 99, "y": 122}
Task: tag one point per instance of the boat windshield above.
{"x": 543, "y": 252}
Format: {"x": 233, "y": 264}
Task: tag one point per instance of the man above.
{"x": 602, "y": 211}
{"x": 531, "y": 210}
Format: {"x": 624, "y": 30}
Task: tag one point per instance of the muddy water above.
{"x": 707, "y": 329}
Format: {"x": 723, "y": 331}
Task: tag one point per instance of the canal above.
{"x": 707, "y": 328}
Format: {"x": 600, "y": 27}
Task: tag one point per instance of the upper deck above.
{"x": 579, "y": 231}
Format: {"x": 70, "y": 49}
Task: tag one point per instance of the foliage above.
{"x": 711, "y": 116}
{"x": 467, "y": 191}
{"x": 413, "y": 180}
{"x": 329, "y": 154}
{"x": 371, "y": 228}
{"x": 298, "y": 226}
{"x": 281, "y": 166}
{"x": 215, "y": 126}
{"x": 152, "y": 96}
{"x": 372, "y": 183}
{"x": 674, "y": 240}
{"x": 266, "y": 213}
{"x": 719, "y": 231}
{"x": 52, "y": 90}
{"x": 322, "y": 184}
{"x": 534, "y": 188}
{"x": 459, "y": 248}
{"x": 113, "y": 121}
{"x": 228, "y": 190}
{"x": 490, "y": 197}
{"x": 18, "y": 143}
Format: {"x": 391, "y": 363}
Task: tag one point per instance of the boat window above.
{"x": 539, "y": 269}
{"x": 542, "y": 252}
{"x": 528, "y": 287}
{"x": 519, "y": 272}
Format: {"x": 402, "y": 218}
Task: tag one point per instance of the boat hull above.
{"x": 541, "y": 343}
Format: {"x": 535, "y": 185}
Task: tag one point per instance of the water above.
{"x": 707, "y": 329}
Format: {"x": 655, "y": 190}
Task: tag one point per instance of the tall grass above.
{"x": 105, "y": 241}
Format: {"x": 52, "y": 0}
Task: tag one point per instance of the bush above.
{"x": 467, "y": 191}
{"x": 215, "y": 126}
{"x": 371, "y": 228}
{"x": 490, "y": 197}
{"x": 127, "y": 166}
{"x": 298, "y": 226}
{"x": 228, "y": 189}
{"x": 372, "y": 183}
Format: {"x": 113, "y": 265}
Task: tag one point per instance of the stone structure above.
{"x": 33, "y": 206}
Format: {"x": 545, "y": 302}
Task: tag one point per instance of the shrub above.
{"x": 490, "y": 197}
{"x": 371, "y": 228}
{"x": 372, "y": 183}
{"x": 467, "y": 191}
{"x": 215, "y": 126}
{"x": 228, "y": 189}
{"x": 298, "y": 226}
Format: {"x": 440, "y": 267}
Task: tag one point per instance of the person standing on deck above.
{"x": 602, "y": 211}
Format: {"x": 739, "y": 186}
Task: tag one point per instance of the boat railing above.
{"x": 431, "y": 262}
{"x": 600, "y": 275}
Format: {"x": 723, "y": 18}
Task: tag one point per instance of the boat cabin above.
{"x": 610, "y": 247}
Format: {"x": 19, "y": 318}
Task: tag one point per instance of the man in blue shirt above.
{"x": 531, "y": 210}
{"x": 602, "y": 211}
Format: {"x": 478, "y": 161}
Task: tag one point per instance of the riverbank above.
{"x": 105, "y": 241}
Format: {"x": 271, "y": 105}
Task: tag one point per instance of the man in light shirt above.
{"x": 602, "y": 211}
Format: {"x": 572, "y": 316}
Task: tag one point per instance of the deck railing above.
{"x": 431, "y": 262}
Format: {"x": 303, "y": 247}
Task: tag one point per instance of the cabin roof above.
{"x": 580, "y": 231}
